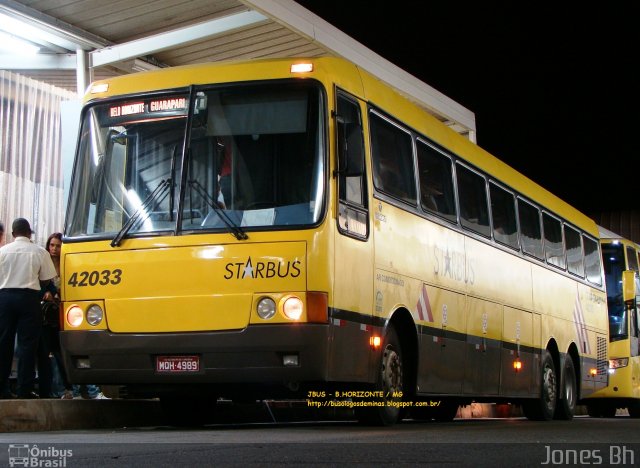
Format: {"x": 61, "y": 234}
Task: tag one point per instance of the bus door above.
{"x": 351, "y": 315}
{"x": 632, "y": 264}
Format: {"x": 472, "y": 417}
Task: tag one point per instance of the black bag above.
{"x": 50, "y": 314}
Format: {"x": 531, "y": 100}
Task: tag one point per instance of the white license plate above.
{"x": 177, "y": 363}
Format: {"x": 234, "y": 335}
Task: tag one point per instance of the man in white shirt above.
{"x": 24, "y": 268}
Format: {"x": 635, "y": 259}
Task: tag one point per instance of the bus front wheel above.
{"x": 543, "y": 408}
{"x": 389, "y": 383}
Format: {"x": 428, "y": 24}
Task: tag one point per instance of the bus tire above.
{"x": 389, "y": 381}
{"x": 544, "y": 407}
{"x": 566, "y": 406}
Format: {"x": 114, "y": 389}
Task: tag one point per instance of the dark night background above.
{"x": 553, "y": 86}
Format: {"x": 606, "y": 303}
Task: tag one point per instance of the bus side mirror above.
{"x": 628, "y": 285}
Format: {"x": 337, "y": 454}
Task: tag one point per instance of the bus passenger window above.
{"x": 472, "y": 195}
{"x": 392, "y": 157}
{"x": 592, "y": 261}
{"x": 503, "y": 214}
{"x": 554, "y": 249}
{"x": 530, "y": 229}
{"x": 436, "y": 182}
{"x": 574, "y": 251}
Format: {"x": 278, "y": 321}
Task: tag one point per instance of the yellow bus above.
{"x": 620, "y": 260}
{"x": 298, "y": 229}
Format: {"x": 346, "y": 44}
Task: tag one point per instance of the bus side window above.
{"x": 573, "y": 243}
{"x": 553, "y": 245}
{"x": 632, "y": 264}
{"x": 632, "y": 259}
{"x": 352, "y": 216}
{"x": 503, "y": 214}
{"x": 592, "y": 261}
{"x": 634, "y": 321}
{"x": 472, "y": 196}
{"x": 436, "y": 182}
{"x": 392, "y": 159}
{"x": 530, "y": 229}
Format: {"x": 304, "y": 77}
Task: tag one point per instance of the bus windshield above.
{"x": 235, "y": 159}
{"x": 614, "y": 265}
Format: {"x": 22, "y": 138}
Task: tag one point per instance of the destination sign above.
{"x": 152, "y": 108}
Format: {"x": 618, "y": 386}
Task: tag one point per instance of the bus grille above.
{"x": 603, "y": 362}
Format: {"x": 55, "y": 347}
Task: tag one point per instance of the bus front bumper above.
{"x": 265, "y": 354}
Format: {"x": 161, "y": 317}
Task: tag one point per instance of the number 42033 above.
{"x": 93, "y": 278}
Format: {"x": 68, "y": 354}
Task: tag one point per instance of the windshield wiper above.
{"x": 159, "y": 191}
{"x": 236, "y": 230}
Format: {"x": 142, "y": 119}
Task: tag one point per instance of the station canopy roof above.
{"x": 83, "y": 40}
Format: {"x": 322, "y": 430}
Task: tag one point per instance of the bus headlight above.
{"x": 293, "y": 308}
{"x": 74, "y": 316}
{"x": 266, "y": 308}
{"x": 618, "y": 363}
{"x": 94, "y": 315}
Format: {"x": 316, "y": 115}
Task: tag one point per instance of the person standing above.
{"x": 24, "y": 268}
{"x": 49, "y": 348}
{"x": 5, "y": 391}
{"x": 51, "y": 341}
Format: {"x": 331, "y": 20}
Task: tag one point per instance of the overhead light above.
{"x": 17, "y": 46}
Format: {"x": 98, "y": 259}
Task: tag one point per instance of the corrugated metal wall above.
{"x": 625, "y": 223}
{"x": 31, "y": 184}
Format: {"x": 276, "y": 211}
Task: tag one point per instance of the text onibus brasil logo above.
{"x": 34, "y": 456}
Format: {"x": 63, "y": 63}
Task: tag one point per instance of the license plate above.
{"x": 177, "y": 363}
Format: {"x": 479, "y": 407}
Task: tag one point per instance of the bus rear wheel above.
{"x": 390, "y": 384}
{"x": 543, "y": 408}
{"x": 566, "y": 407}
